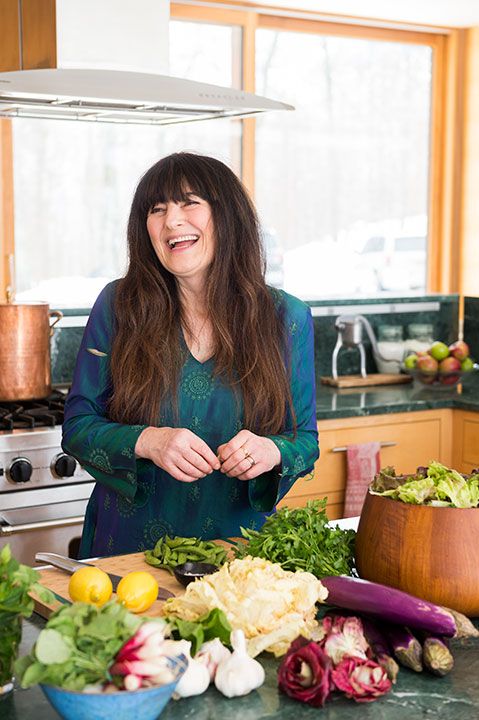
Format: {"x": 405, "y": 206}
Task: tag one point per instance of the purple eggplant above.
{"x": 437, "y": 657}
{"x": 406, "y": 648}
{"x": 389, "y": 604}
{"x": 380, "y": 648}
{"x": 464, "y": 626}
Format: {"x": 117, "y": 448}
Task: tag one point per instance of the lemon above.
{"x": 137, "y": 591}
{"x": 90, "y": 585}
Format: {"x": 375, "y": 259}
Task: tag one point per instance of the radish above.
{"x": 389, "y": 604}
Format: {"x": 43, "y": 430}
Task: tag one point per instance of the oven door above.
{"x": 43, "y": 528}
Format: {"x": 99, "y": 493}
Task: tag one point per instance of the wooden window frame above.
{"x": 445, "y": 249}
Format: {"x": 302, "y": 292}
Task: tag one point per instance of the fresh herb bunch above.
{"x": 16, "y": 582}
{"x": 301, "y": 539}
{"x": 78, "y": 646}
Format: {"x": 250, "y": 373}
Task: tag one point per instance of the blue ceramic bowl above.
{"x": 144, "y": 704}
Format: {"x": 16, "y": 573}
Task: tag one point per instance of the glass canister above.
{"x": 390, "y": 347}
{"x": 420, "y": 337}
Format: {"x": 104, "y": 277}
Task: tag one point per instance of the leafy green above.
{"x": 78, "y": 646}
{"x": 416, "y": 491}
{"x": 386, "y": 482}
{"x": 301, "y": 539}
{"x": 16, "y": 582}
{"x": 437, "y": 485}
{"x": 213, "y": 624}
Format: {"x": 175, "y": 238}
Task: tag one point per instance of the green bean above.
{"x": 151, "y": 559}
{"x": 172, "y": 551}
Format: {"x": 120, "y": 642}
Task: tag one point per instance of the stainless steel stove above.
{"x": 43, "y": 491}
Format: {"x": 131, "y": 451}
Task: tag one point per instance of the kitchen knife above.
{"x": 70, "y": 566}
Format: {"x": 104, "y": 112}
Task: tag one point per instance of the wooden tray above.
{"x": 347, "y": 381}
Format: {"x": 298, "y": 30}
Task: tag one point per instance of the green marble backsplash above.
{"x": 401, "y": 311}
{"x": 471, "y": 325}
{"x": 65, "y": 344}
{"x": 64, "y": 349}
{"x": 380, "y": 311}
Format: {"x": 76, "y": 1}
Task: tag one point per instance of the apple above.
{"x": 427, "y": 364}
{"x": 449, "y": 379}
{"x": 449, "y": 365}
{"x": 467, "y": 364}
{"x": 410, "y": 361}
{"x": 427, "y": 367}
{"x": 459, "y": 350}
{"x": 439, "y": 350}
{"x": 448, "y": 369}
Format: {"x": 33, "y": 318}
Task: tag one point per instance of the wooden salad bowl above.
{"x": 429, "y": 552}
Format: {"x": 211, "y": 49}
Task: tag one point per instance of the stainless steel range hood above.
{"x": 110, "y": 63}
{"x": 118, "y": 96}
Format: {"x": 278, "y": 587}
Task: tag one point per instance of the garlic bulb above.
{"x": 196, "y": 678}
{"x": 212, "y": 653}
{"x": 239, "y": 674}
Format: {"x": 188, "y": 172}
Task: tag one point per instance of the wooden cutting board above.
{"x": 347, "y": 381}
{"x": 57, "y": 580}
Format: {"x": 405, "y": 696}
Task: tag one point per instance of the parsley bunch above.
{"x": 301, "y": 539}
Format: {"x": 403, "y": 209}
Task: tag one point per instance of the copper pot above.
{"x": 25, "y": 332}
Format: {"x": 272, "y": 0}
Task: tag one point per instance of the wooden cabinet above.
{"x": 465, "y": 456}
{"x": 28, "y": 32}
{"x": 415, "y": 439}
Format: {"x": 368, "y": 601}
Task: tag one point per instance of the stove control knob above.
{"x": 63, "y": 465}
{"x": 20, "y": 470}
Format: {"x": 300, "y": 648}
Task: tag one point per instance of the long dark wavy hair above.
{"x": 250, "y": 348}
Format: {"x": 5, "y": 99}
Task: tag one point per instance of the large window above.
{"x": 346, "y": 200}
{"x": 341, "y": 184}
{"x": 74, "y": 181}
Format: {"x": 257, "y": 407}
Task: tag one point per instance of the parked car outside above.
{"x": 398, "y": 261}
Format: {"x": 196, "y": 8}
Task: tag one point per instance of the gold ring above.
{"x": 252, "y": 460}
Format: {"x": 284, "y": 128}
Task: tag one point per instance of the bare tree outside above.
{"x": 354, "y": 160}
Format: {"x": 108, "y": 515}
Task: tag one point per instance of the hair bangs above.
{"x": 172, "y": 179}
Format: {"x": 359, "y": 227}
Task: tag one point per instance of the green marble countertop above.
{"x": 334, "y": 403}
{"x": 414, "y": 696}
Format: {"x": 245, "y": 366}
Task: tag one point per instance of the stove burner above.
{"x": 46, "y": 412}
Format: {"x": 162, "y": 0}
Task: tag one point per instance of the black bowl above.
{"x": 190, "y": 571}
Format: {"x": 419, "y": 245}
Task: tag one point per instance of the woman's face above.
{"x": 182, "y": 235}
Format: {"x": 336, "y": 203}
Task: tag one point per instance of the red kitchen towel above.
{"x": 363, "y": 462}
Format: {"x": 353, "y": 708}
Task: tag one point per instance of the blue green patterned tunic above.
{"x": 135, "y": 502}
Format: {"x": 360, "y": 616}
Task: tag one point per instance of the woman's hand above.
{"x": 248, "y": 455}
{"x": 180, "y": 452}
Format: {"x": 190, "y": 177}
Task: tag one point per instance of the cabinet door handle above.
{"x": 344, "y": 448}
